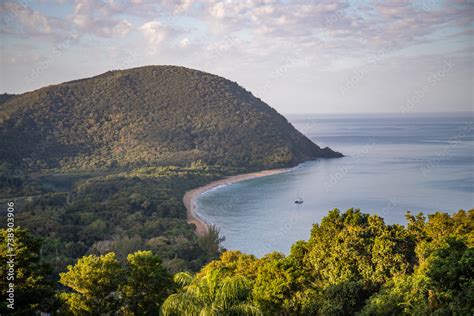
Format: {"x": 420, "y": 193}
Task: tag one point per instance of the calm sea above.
{"x": 394, "y": 163}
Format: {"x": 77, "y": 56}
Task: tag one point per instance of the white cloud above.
{"x": 122, "y": 28}
{"x": 82, "y": 21}
{"x": 176, "y": 6}
{"x": 154, "y": 32}
{"x": 24, "y": 20}
{"x": 184, "y": 42}
{"x": 85, "y": 6}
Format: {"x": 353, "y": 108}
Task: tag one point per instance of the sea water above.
{"x": 394, "y": 163}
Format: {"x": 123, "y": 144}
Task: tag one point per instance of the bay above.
{"x": 394, "y": 163}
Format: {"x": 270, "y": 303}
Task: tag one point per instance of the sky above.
{"x": 302, "y": 56}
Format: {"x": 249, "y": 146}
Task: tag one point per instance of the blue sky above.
{"x": 302, "y": 56}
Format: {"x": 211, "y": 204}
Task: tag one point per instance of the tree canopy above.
{"x": 154, "y": 115}
{"x": 352, "y": 264}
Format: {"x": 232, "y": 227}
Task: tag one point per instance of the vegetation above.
{"x": 352, "y": 264}
{"x": 33, "y": 285}
{"x": 122, "y": 213}
{"x": 213, "y": 294}
{"x": 155, "y": 115}
{"x": 100, "y": 165}
{"x": 102, "y": 286}
{"x": 4, "y": 97}
{"x": 98, "y": 168}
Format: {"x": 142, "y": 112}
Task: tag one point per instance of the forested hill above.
{"x": 159, "y": 115}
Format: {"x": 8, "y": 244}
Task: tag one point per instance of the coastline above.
{"x": 190, "y": 197}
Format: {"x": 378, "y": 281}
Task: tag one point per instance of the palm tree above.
{"x": 212, "y": 294}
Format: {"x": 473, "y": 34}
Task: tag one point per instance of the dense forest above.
{"x": 100, "y": 165}
{"x": 121, "y": 212}
{"x": 352, "y": 264}
{"x": 154, "y": 115}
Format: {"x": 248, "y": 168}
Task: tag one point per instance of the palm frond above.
{"x": 244, "y": 309}
{"x": 183, "y": 278}
{"x": 181, "y": 304}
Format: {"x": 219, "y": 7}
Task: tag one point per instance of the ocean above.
{"x": 394, "y": 163}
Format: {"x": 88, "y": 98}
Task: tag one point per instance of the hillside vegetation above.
{"x": 155, "y": 115}
{"x": 101, "y": 164}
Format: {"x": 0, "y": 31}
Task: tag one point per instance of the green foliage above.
{"x": 147, "y": 286}
{"x": 451, "y": 272}
{"x": 95, "y": 282}
{"x": 274, "y": 284}
{"x": 344, "y": 298}
{"x": 100, "y": 285}
{"x": 372, "y": 251}
{"x": 155, "y": 115}
{"x": 403, "y": 295}
{"x": 100, "y": 165}
{"x": 122, "y": 213}
{"x": 353, "y": 263}
{"x": 33, "y": 289}
{"x": 210, "y": 294}
{"x": 210, "y": 242}
{"x": 443, "y": 285}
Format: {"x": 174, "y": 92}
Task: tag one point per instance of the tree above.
{"x": 275, "y": 284}
{"x": 234, "y": 263}
{"x": 211, "y": 241}
{"x": 94, "y": 281}
{"x": 33, "y": 286}
{"x": 211, "y": 294}
{"x": 442, "y": 282}
{"x": 451, "y": 273}
{"x": 345, "y": 298}
{"x": 372, "y": 254}
{"x": 148, "y": 284}
{"x": 402, "y": 295}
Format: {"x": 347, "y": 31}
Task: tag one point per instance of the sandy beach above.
{"x": 191, "y": 196}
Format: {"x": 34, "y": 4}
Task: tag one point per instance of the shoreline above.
{"x": 190, "y": 197}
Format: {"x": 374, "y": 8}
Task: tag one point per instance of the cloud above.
{"x": 89, "y": 17}
{"x": 19, "y": 19}
{"x": 324, "y": 31}
{"x": 339, "y": 25}
{"x": 122, "y": 28}
{"x": 98, "y": 18}
{"x": 184, "y": 42}
{"x": 176, "y": 6}
{"x": 101, "y": 27}
{"x": 155, "y": 32}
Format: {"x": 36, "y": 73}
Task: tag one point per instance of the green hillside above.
{"x": 159, "y": 115}
{"x": 102, "y": 164}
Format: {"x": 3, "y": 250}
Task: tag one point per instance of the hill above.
{"x": 4, "y": 97}
{"x": 160, "y": 115}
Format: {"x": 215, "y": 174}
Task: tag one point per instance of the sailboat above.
{"x": 298, "y": 200}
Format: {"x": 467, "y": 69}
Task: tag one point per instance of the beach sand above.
{"x": 191, "y": 196}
